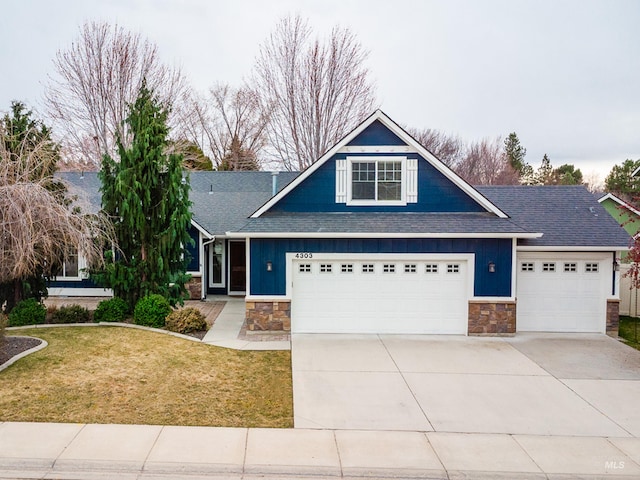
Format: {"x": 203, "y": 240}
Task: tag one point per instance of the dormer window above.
{"x": 376, "y": 180}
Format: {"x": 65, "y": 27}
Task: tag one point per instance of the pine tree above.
{"x": 147, "y": 196}
{"x": 515, "y": 155}
{"x": 545, "y": 172}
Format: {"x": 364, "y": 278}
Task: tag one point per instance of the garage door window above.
{"x": 347, "y": 268}
{"x": 453, "y": 268}
{"x": 527, "y": 267}
{"x": 570, "y": 267}
{"x": 388, "y": 268}
{"x": 367, "y": 268}
{"x": 431, "y": 268}
{"x": 548, "y": 267}
{"x": 410, "y": 268}
{"x": 325, "y": 268}
{"x": 304, "y": 268}
{"x": 591, "y": 267}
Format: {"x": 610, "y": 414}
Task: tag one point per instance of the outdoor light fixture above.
{"x": 492, "y": 267}
{"x": 269, "y": 267}
{"x": 616, "y": 266}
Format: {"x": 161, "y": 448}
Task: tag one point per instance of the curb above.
{"x": 12, "y": 360}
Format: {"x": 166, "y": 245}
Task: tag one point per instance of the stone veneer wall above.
{"x": 268, "y": 315}
{"x": 613, "y": 317}
{"x": 194, "y": 287}
{"x": 492, "y": 318}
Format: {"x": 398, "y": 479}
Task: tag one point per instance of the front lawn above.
{"x": 630, "y": 331}
{"x": 124, "y": 375}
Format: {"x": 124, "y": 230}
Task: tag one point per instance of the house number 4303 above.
{"x": 304, "y": 255}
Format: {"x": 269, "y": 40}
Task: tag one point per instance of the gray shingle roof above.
{"x": 235, "y": 195}
{"x": 410, "y": 223}
{"x": 567, "y": 215}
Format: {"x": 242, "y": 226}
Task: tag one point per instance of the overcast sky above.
{"x": 564, "y": 75}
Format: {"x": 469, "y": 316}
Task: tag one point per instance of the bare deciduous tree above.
{"x": 227, "y": 123}
{"x": 95, "y": 79}
{"x": 449, "y": 149}
{"x": 317, "y": 91}
{"x": 485, "y": 163}
{"x": 38, "y": 228}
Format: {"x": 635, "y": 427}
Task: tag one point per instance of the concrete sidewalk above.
{"x": 226, "y": 329}
{"x": 75, "y": 451}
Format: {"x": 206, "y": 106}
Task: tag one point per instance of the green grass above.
{"x": 129, "y": 376}
{"x": 630, "y": 331}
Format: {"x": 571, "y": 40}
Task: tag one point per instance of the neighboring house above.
{"x": 379, "y": 236}
{"x": 629, "y": 218}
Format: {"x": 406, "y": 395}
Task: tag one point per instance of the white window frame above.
{"x": 377, "y": 160}
{"x": 82, "y": 264}
{"x": 223, "y": 259}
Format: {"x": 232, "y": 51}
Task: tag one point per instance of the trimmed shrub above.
{"x": 113, "y": 310}
{"x": 186, "y": 320}
{"x": 27, "y": 312}
{"x": 70, "y": 314}
{"x": 151, "y": 311}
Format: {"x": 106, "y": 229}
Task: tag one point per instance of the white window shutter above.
{"x": 341, "y": 181}
{"x": 412, "y": 180}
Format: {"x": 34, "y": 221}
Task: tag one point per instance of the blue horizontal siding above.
{"x": 486, "y": 250}
{"x": 436, "y": 193}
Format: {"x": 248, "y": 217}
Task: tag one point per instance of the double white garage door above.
{"x": 380, "y": 294}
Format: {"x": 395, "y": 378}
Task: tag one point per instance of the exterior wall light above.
{"x": 616, "y": 266}
{"x": 492, "y": 267}
{"x": 269, "y": 267}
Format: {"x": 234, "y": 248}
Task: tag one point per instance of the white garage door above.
{"x": 563, "y": 293}
{"x": 376, "y": 295}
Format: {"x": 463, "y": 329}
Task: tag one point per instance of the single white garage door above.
{"x": 563, "y": 292}
{"x": 374, "y": 295}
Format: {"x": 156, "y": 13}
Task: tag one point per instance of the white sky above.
{"x": 564, "y": 75}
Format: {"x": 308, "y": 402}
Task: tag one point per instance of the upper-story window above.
{"x": 376, "y": 180}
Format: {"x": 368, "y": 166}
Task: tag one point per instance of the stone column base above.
{"x": 268, "y": 315}
{"x": 492, "y": 318}
{"x": 613, "y": 317}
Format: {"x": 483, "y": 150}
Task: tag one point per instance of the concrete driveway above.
{"x": 538, "y": 384}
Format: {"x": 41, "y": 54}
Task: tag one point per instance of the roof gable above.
{"x": 361, "y": 140}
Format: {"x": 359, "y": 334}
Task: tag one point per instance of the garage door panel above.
{"x": 572, "y": 298}
{"x": 396, "y": 297}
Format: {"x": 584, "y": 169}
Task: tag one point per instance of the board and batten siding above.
{"x": 486, "y": 284}
{"x": 317, "y": 193}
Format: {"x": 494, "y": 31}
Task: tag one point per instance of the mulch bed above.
{"x": 13, "y": 346}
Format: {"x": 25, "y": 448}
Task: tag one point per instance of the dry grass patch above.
{"x": 122, "y": 375}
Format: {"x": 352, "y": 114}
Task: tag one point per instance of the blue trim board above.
{"x": 498, "y": 251}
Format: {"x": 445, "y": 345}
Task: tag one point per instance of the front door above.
{"x": 237, "y": 268}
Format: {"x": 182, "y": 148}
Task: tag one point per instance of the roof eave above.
{"x": 381, "y": 235}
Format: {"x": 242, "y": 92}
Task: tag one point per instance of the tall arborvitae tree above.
{"x": 147, "y": 196}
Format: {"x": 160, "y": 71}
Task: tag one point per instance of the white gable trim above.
{"x": 201, "y": 229}
{"x": 413, "y": 146}
{"x": 622, "y": 203}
